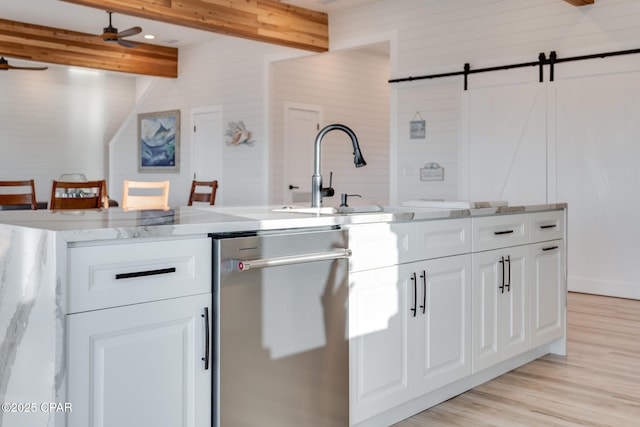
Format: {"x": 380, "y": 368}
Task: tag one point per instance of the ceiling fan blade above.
{"x": 130, "y": 32}
{"x": 126, "y": 43}
{"x": 4, "y": 65}
{"x": 11, "y": 67}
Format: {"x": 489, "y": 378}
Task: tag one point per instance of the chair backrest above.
{"x": 209, "y": 196}
{"x": 13, "y": 197}
{"x": 77, "y": 195}
{"x": 145, "y": 195}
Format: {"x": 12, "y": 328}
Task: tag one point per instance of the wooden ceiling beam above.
{"x": 57, "y": 46}
{"x": 267, "y": 21}
{"x": 580, "y": 2}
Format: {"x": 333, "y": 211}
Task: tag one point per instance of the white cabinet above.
{"x": 381, "y": 352}
{"x": 139, "y": 333}
{"x": 500, "y": 305}
{"x": 409, "y": 332}
{"x": 548, "y": 292}
{"x": 436, "y": 307}
{"x": 519, "y": 289}
{"x": 442, "y": 322}
{"x": 141, "y": 365}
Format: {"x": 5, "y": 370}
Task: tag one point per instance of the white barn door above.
{"x": 598, "y": 138}
{"x": 504, "y": 142}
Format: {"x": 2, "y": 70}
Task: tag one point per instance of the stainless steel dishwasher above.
{"x": 280, "y": 309}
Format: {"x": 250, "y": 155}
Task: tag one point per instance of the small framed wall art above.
{"x": 417, "y": 127}
{"x": 159, "y": 141}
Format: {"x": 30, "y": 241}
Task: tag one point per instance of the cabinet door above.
{"x": 141, "y": 365}
{"x": 514, "y": 316}
{"x": 500, "y": 312}
{"x": 547, "y": 292}
{"x": 443, "y": 322}
{"x": 379, "y": 353}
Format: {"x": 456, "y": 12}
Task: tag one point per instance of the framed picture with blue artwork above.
{"x": 159, "y": 141}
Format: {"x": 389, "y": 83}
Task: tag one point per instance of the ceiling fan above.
{"x": 111, "y": 34}
{"x": 4, "y": 65}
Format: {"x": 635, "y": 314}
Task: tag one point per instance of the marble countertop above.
{"x": 114, "y": 223}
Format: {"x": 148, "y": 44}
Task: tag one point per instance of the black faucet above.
{"x": 316, "y": 180}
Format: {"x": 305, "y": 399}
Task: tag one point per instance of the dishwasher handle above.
{"x": 339, "y": 253}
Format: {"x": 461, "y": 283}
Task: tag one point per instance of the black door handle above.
{"x": 415, "y": 296}
{"x": 508, "y": 284}
{"x": 206, "y": 357}
{"x": 423, "y": 276}
{"x": 502, "y": 286}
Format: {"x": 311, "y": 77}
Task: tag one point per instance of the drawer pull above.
{"x": 549, "y": 248}
{"x": 548, "y": 226}
{"x": 497, "y": 233}
{"x": 145, "y": 273}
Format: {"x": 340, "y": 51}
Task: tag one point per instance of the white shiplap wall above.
{"x": 582, "y": 127}
{"x": 59, "y": 121}
{"x": 351, "y": 88}
{"x": 436, "y": 36}
{"x": 227, "y": 72}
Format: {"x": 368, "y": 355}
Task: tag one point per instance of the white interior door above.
{"x": 207, "y": 147}
{"x": 302, "y": 123}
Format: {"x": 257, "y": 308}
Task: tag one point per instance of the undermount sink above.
{"x": 329, "y": 210}
{"x": 454, "y": 204}
{"x": 297, "y": 209}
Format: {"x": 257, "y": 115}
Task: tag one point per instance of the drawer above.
{"x": 435, "y": 239}
{"x": 379, "y": 245}
{"x": 547, "y": 226}
{"x": 115, "y": 274}
{"x": 499, "y": 231}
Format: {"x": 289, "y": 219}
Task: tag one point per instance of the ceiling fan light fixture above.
{"x": 110, "y": 34}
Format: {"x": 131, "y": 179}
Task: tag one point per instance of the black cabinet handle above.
{"x": 497, "y": 233}
{"x": 549, "y": 248}
{"x": 548, "y": 226}
{"x": 502, "y": 286}
{"x": 145, "y": 273}
{"x": 508, "y": 284}
{"x": 423, "y": 276}
{"x": 415, "y": 296}
{"x": 205, "y": 359}
{"x": 291, "y": 187}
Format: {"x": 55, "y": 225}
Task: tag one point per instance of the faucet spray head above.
{"x": 358, "y": 160}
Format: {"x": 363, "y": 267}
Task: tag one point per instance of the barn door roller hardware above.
{"x": 551, "y": 61}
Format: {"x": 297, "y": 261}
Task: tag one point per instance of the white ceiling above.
{"x": 59, "y": 14}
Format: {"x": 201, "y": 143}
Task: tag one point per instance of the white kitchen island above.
{"x": 59, "y": 286}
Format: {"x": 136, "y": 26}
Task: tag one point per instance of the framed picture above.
{"x": 417, "y": 129}
{"x": 159, "y": 141}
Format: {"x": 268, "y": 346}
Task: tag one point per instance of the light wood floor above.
{"x": 596, "y": 384}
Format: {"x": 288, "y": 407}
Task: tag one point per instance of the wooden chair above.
{"x": 208, "y": 197}
{"x": 146, "y": 195}
{"x": 77, "y": 195}
{"x": 13, "y": 198}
